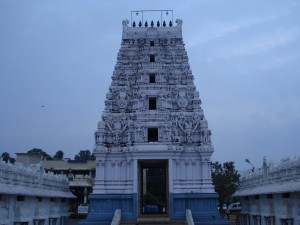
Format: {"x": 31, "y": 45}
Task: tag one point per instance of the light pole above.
{"x": 248, "y": 161}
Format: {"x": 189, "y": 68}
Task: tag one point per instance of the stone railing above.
{"x": 189, "y": 217}
{"x": 117, "y": 217}
{"x": 287, "y": 169}
{"x": 32, "y": 176}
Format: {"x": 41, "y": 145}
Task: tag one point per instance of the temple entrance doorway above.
{"x": 153, "y": 188}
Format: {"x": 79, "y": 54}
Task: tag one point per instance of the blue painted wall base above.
{"x": 204, "y": 208}
{"x": 103, "y": 207}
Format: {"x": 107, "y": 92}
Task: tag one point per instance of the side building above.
{"x": 271, "y": 195}
{"x": 80, "y": 173}
{"x": 30, "y": 196}
{"x": 81, "y": 176}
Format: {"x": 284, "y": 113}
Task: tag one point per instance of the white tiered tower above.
{"x": 153, "y": 145}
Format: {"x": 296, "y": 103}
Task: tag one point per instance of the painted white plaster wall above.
{"x": 122, "y": 134}
{"x": 28, "y": 194}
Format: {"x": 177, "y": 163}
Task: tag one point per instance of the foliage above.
{"x": 59, "y": 155}
{"x": 39, "y": 151}
{"x": 6, "y": 157}
{"x": 226, "y": 180}
{"x": 84, "y": 155}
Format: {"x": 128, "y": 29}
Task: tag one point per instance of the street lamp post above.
{"x": 248, "y": 161}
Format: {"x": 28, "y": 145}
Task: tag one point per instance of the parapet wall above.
{"x": 152, "y": 32}
{"x": 32, "y": 181}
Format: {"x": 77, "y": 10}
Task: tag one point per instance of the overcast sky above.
{"x": 244, "y": 55}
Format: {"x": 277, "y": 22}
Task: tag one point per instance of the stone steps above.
{"x": 153, "y": 221}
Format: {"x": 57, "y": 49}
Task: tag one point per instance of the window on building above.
{"x": 285, "y": 195}
{"x": 269, "y": 196}
{"x": 151, "y": 43}
{"x": 256, "y": 196}
{"x": 153, "y": 134}
{"x": 20, "y": 198}
{"x": 151, "y": 78}
{"x": 39, "y": 199}
{"x": 152, "y": 103}
{"x": 52, "y": 199}
{"x": 246, "y": 197}
{"x": 152, "y": 58}
{"x": 287, "y": 221}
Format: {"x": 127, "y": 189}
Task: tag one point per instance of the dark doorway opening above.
{"x": 153, "y": 180}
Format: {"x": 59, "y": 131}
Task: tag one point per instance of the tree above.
{"x": 226, "y": 180}
{"x": 59, "y": 155}
{"x": 39, "y": 151}
{"x": 84, "y": 155}
{"x": 6, "y": 157}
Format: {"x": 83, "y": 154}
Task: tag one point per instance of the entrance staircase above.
{"x": 153, "y": 221}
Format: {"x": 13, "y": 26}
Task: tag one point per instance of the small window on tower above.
{"x": 152, "y": 58}
{"x": 152, "y": 103}
{"x": 151, "y": 78}
{"x": 152, "y": 43}
{"x": 152, "y": 134}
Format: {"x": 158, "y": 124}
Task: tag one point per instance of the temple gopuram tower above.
{"x": 153, "y": 145}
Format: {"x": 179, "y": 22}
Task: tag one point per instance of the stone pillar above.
{"x": 85, "y": 193}
{"x": 97, "y": 170}
{"x": 247, "y": 220}
{"x": 202, "y": 168}
{"x": 120, "y": 169}
{"x": 193, "y": 168}
{"x": 103, "y": 164}
{"x": 171, "y": 176}
{"x": 128, "y": 170}
{"x": 257, "y": 220}
{"x": 186, "y": 162}
{"x": 135, "y": 175}
{"x": 271, "y": 220}
{"x": 112, "y": 168}
{"x": 177, "y": 168}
